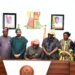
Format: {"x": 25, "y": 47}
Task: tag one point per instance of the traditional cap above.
{"x": 36, "y": 41}
{"x": 51, "y": 32}
{"x": 18, "y": 30}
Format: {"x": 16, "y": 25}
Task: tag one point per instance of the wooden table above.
{"x": 55, "y": 68}
{"x": 72, "y": 68}
{"x": 61, "y": 68}
{"x": 2, "y": 68}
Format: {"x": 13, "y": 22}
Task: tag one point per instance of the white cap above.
{"x": 36, "y": 41}
{"x": 51, "y": 32}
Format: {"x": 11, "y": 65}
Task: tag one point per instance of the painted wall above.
{"x": 46, "y": 7}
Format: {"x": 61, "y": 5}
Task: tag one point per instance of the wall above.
{"x": 46, "y": 7}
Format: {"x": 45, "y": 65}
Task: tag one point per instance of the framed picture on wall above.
{"x": 57, "y": 21}
{"x": 9, "y": 20}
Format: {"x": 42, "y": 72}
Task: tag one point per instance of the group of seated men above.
{"x": 52, "y": 48}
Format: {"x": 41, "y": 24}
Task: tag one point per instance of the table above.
{"x": 54, "y": 67}
{"x": 61, "y": 68}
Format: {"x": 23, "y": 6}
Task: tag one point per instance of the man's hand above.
{"x": 56, "y": 48}
{"x": 63, "y": 53}
{"x": 47, "y": 53}
{"x": 53, "y": 51}
{"x": 17, "y": 55}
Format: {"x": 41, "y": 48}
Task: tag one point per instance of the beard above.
{"x": 35, "y": 46}
{"x": 5, "y": 35}
{"x": 18, "y": 35}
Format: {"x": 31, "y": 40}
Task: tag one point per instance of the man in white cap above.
{"x": 5, "y": 45}
{"x": 34, "y": 52}
{"x": 50, "y": 46}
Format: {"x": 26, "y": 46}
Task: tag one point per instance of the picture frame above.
{"x": 57, "y": 21}
{"x": 9, "y": 20}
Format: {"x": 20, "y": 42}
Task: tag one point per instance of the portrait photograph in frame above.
{"x": 9, "y": 20}
{"x": 57, "y": 21}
